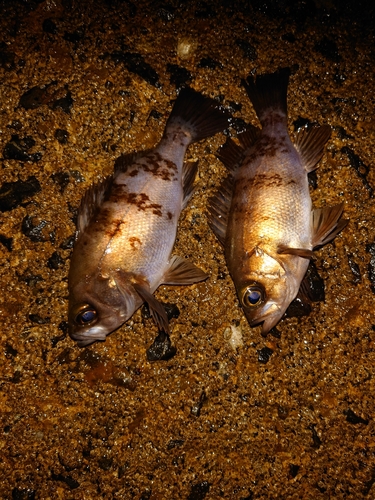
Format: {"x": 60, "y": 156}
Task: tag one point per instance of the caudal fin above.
{"x": 268, "y": 92}
{"x": 202, "y": 116}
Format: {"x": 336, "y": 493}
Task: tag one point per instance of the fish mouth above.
{"x": 85, "y": 339}
{"x": 270, "y": 315}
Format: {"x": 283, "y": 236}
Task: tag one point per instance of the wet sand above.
{"x": 232, "y": 414}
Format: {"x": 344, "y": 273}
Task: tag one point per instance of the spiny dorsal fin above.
{"x": 301, "y": 252}
{"x": 310, "y": 143}
{"x": 157, "y": 311}
{"x": 218, "y": 209}
{"x": 189, "y": 172}
{"x": 182, "y": 272}
{"x": 91, "y": 202}
{"x": 327, "y": 224}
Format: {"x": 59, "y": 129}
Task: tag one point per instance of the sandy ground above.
{"x": 231, "y": 415}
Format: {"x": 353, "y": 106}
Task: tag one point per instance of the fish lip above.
{"x": 84, "y": 339}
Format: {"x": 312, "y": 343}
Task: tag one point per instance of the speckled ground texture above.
{"x": 231, "y": 415}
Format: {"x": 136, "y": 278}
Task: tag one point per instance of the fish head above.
{"x": 266, "y": 287}
{"x": 98, "y": 305}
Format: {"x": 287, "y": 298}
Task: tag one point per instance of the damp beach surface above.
{"x": 216, "y": 411}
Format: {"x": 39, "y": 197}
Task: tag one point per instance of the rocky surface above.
{"x": 225, "y": 413}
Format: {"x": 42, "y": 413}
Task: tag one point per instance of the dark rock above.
{"x": 7, "y": 60}
{"x": 196, "y": 408}
{"x": 361, "y": 169}
{"x": 301, "y": 123}
{"x": 175, "y": 443}
{"x": 68, "y": 244}
{"x": 238, "y": 124}
{"x": 179, "y": 76}
{"x": 354, "y": 267}
{"x": 234, "y": 106}
{"x": 23, "y": 494}
{"x": 35, "y": 233}
{"x": 49, "y": 26}
{"x": 105, "y": 463}
{"x": 35, "y": 318}
{"x": 74, "y": 37}
{"x": 68, "y": 480}
{"x": 64, "y": 103}
{"x": 313, "y": 284}
{"x": 264, "y": 355}
{"x": 136, "y": 64}
{"x": 171, "y": 309}
{"x": 166, "y": 13}
{"x": 288, "y": 37}
{"x": 199, "y": 491}
{"x": 299, "y": 307}
{"x": 161, "y": 349}
{"x": 9, "y": 351}
{"x": 16, "y": 149}
{"x": 316, "y": 439}
{"x": 352, "y": 418}
{"x": 55, "y": 261}
{"x": 155, "y": 114}
{"x": 370, "y": 248}
{"x": 209, "y": 63}
{"x": 7, "y": 242}
{"x": 35, "y": 97}
{"x": 328, "y": 49}
{"x": 62, "y": 135}
{"x": 146, "y": 495}
{"x": 62, "y": 179}
{"x": 205, "y": 10}
{"x": 293, "y": 471}
{"x": 312, "y": 178}
{"x": 249, "y": 51}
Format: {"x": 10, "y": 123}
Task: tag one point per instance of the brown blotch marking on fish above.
{"x": 169, "y": 215}
{"x": 114, "y": 227}
{"x": 265, "y": 180}
{"x": 140, "y": 200}
{"x": 135, "y": 242}
{"x": 160, "y": 167}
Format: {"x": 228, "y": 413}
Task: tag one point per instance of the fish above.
{"x": 127, "y": 225}
{"x": 262, "y": 213}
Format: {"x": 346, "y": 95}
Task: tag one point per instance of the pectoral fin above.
{"x": 157, "y": 311}
{"x": 301, "y": 252}
{"x": 310, "y": 144}
{"x": 327, "y": 224}
{"x": 182, "y": 272}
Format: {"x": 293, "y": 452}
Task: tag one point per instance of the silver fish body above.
{"x": 127, "y": 226}
{"x": 263, "y": 213}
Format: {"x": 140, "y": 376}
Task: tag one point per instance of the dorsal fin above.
{"x": 91, "y": 202}
{"x": 218, "y": 209}
{"x": 189, "y": 172}
{"x": 310, "y": 143}
{"x": 124, "y": 161}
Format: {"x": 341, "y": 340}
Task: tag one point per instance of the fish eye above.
{"x": 253, "y": 296}
{"x": 86, "y": 315}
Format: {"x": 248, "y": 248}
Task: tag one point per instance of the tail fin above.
{"x": 201, "y": 115}
{"x": 268, "y": 91}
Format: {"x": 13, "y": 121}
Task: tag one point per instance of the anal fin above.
{"x": 327, "y": 223}
{"x": 182, "y": 272}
